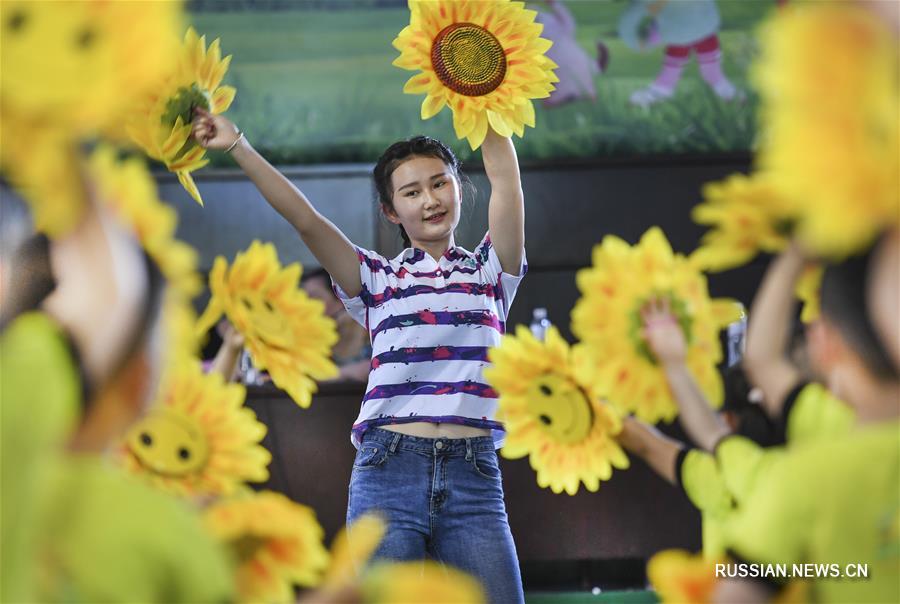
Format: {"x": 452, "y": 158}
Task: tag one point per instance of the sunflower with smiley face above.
{"x": 69, "y": 72}
{"x": 286, "y": 331}
{"x": 607, "y": 319}
{"x": 552, "y": 413}
{"x": 484, "y": 59}
{"x": 198, "y": 439}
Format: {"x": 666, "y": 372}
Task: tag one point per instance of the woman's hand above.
{"x": 213, "y": 131}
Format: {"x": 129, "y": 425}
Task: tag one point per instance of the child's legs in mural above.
{"x": 709, "y": 58}
{"x": 663, "y": 87}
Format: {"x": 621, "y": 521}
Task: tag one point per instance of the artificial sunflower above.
{"x": 199, "y": 438}
{"x": 420, "y": 581}
{"x": 44, "y": 166}
{"x": 70, "y": 71}
{"x": 286, "y": 331}
{"x": 162, "y": 126}
{"x": 807, "y": 291}
{"x": 552, "y": 413}
{"x": 607, "y": 319}
{"x": 483, "y": 58}
{"x": 80, "y": 65}
{"x": 680, "y": 577}
{"x": 828, "y": 80}
{"x": 181, "y": 337}
{"x": 276, "y": 543}
{"x": 746, "y": 217}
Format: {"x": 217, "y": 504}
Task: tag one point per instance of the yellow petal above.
{"x": 222, "y": 99}
{"x": 418, "y": 84}
{"x": 432, "y": 105}
{"x": 187, "y": 182}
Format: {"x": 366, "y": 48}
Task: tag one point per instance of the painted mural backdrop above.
{"x": 637, "y": 77}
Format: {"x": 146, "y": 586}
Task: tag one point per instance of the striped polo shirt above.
{"x": 431, "y": 324}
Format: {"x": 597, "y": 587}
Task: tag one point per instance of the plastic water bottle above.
{"x": 737, "y": 333}
{"x": 539, "y": 323}
{"x": 249, "y": 374}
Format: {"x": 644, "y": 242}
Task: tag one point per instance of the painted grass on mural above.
{"x": 318, "y": 86}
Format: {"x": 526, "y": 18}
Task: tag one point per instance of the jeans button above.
{"x": 439, "y": 445}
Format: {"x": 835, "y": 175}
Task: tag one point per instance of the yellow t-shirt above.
{"x": 106, "y": 537}
{"x": 716, "y": 484}
{"x": 815, "y": 414}
{"x": 832, "y": 502}
{"x": 40, "y": 399}
{"x": 704, "y": 485}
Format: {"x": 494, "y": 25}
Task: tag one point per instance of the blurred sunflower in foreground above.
{"x": 70, "y": 72}
{"x": 276, "y": 544}
{"x": 199, "y": 438}
{"x": 831, "y": 122}
{"x": 679, "y": 577}
{"x": 746, "y": 216}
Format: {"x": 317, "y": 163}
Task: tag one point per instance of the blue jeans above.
{"x": 443, "y": 499}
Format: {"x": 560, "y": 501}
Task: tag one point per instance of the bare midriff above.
{"x": 430, "y": 430}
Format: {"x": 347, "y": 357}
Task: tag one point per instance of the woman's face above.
{"x": 426, "y": 199}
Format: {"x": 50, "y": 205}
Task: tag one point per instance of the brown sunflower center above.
{"x": 468, "y": 59}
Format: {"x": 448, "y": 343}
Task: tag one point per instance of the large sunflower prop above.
{"x": 80, "y": 65}
{"x": 831, "y": 124}
{"x": 746, "y": 216}
{"x": 552, "y": 413}
{"x": 607, "y": 319}
{"x": 199, "y": 438}
{"x": 276, "y": 543}
{"x": 44, "y": 167}
{"x": 70, "y": 71}
{"x": 483, "y": 58}
{"x": 285, "y": 330}
{"x": 163, "y": 125}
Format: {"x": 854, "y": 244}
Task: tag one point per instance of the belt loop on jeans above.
{"x": 468, "y": 449}
{"x": 394, "y": 442}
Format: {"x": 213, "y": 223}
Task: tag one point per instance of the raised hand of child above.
{"x": 663, "y": 333}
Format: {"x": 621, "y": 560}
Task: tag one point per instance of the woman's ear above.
{"x": 390, "y": 213}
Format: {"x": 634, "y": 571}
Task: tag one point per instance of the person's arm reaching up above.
{"x": 327, "y": 243}
{"x": 506, "y": 212}
{"x": 768, "y": 332}
{"x": 666, "y": 340}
